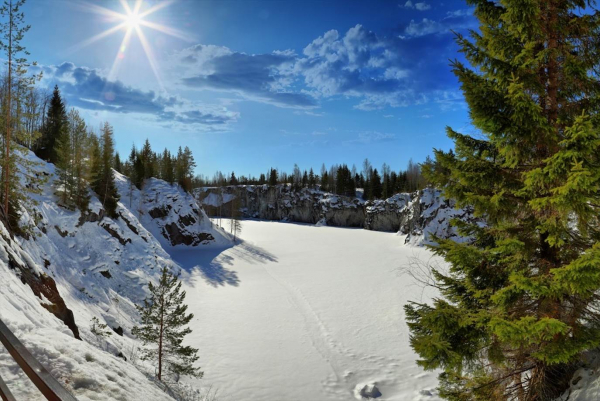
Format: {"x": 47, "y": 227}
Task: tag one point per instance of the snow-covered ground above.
{"x": 298, "y": 312}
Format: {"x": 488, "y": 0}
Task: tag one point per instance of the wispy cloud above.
{"x": 87, "y": 88}
{"x": 368, "y": 137}
{"x": 421, "y": 6}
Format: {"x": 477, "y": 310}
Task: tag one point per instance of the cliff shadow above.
{"x": 214, "y": 265}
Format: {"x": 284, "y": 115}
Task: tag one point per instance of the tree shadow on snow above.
{"x": 213, "y": 263}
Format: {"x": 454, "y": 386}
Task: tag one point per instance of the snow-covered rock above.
{"x": 370, "y": 391}
{"x": 283, "y": 203}
{"x": 167, "y": 212}
{"x": 418, "y": 215}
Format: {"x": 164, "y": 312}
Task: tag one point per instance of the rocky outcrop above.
{"x": 419, "y": 215}
{"x": 42, "y": 285}
{"x": 177, "y": 237}
{"x": 169, "y": 213}
{"x": 282, "y": 203}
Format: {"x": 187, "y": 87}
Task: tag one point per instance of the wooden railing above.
{"x": 43, "y": 380}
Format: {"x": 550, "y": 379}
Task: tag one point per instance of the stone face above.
{"x": 282, "y": 203}
{"x": 419, "y": 214}
{"x": 44, "y": 287}
{"x": 177, "y": 237}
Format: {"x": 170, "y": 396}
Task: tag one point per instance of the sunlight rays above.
{"x": 132, "y": 20}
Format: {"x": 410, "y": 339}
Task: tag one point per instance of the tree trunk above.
{"x": 160, "y": 338}
{"x": 8, "y": 106}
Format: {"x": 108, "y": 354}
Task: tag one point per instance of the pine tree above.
{"x": 64, "y": 164}
{"x": 98, "y": 329}
{"x": 312, "y": 180}
{"x": 376, "y": 187}
{"x": 146, "y": 158}
{"x": 95, "y": 160}
{"x": 53, "y": 129}
{"x": 518, "y": 303}
{"x": 118, "y": 164}
{"x": 167, "y": 167}
{"x": 325, "y": 181}
{"x": 273, "y": 177}
{"x": 163, "y": 327}
{"x": 19, "y": 82}
{"x": 104, "y": 184}
{"x": 81, "y": 146}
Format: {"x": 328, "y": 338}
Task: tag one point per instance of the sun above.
{"x": 132, "y": 20}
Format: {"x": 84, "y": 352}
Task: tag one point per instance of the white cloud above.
{"x": 421, "y": 6}
{"x": 368, "y": 137}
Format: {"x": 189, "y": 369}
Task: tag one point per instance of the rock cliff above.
{"x": 418, "y": 215}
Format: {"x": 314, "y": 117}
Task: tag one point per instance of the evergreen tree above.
{"x": 376, "y": 187}
{"x": 18, "y": 83}
{"x": 81, "y": 174}
{"x": 54, "y": 128}
{"x": 118, "y": 165}
{"x": 64, "y": 164}
{"x": 393, "y": 183}
{"x": 273, "y": 177}
{"x": 312, "y": 181}
{"x": 518, "y": 304}
{"x": 146, "y": 158}
{"x": 95, "y": 160}
{"x": 98, "y": 329}
{"x": 104, "y": 184}
{"x": 164, "y": 326}
{"x": 167, "y": 167}
{"x": 325, "y": 181}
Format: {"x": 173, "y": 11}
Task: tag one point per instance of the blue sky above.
{"x": 249, "y": 85}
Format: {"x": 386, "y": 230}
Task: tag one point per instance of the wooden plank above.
{"x": 5, "y": 393}
{"x": 43, "y": 380}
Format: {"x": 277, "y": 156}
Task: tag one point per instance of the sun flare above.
{"x": 132, "y": 20}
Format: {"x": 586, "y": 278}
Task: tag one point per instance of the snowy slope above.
{"x": 101, "y": 267}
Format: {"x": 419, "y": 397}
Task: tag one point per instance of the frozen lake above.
{"x": 298, "y": 312}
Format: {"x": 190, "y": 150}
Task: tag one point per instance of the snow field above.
{"x": 298, "y": 312}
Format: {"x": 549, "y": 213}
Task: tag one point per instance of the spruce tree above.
{"x": 104, "y": 183}
{"x": 163, "y": 327}
{"x": 54, "y": 128}
{"x": 376, "y": 187}
{"x": 325, "y": 181}
{"x": 312, "y": 180}
{"x": 118, "y": 164}
{"x": 518, "y": 304}
{"x": 273, "y": 177}
{"x": 64, "y": 158}
{"x": 81, "y": 147}
{"x": 146, "y": 158}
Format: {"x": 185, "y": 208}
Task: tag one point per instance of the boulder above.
{"x": 370, "y": 391}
